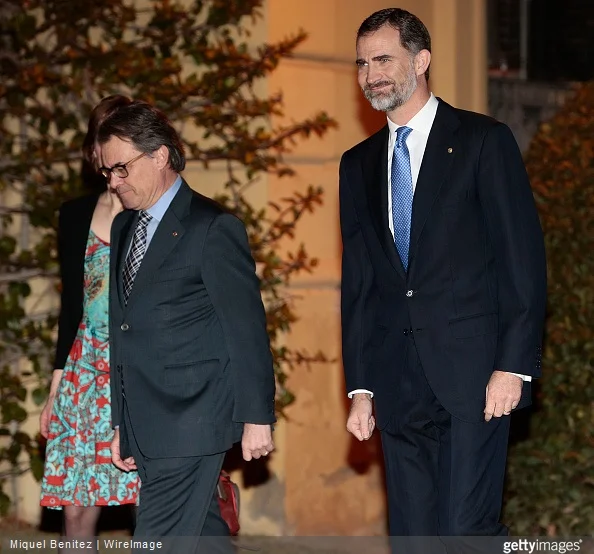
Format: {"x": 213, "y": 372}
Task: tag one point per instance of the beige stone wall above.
{"x": 323, "y": 483}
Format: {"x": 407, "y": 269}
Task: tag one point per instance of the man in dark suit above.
{"x": 443, "y": 289}
{"x": 191, "y": 365}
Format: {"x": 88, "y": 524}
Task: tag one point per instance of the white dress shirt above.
{"x": 416, "y": 142}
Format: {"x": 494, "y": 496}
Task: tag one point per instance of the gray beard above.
{"x": 386, "y": 102}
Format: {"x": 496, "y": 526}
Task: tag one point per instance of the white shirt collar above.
{"x": 422, "y": 121}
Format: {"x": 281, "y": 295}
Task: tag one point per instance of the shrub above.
{"x": 551, "y": 474}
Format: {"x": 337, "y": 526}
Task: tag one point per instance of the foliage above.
{"x": 197, "y": 62}
{"x": 551, "y": 474}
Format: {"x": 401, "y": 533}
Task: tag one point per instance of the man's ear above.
{"x": 161, "y": 156}
{"x": 422, "y": 61}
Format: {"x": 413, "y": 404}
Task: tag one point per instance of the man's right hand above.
{"x": 361, "y": 422}
{"x": 125, "y": 465}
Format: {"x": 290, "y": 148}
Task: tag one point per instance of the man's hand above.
{"x": 256, "y": 441}
{"x": 125, "y": 465}
{"x": 46, "y": 415}
{"x": 503, "y": 394}
{"x": 361, "y": 422}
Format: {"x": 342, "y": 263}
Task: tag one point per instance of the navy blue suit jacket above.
{"x": 474, "y": 295}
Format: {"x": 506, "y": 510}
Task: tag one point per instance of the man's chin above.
{"x": 383, "y": 104}
{"x": 127, "y": 200}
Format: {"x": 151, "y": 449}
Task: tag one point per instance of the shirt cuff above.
{"x": 359, "y": 391}
{"x": 523, "y": 377}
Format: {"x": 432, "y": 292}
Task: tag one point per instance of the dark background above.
{"x": 560, "y": 38}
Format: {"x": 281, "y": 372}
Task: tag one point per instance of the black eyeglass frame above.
{"x": 119, "y": 170}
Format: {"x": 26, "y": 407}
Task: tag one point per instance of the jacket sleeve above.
{"x": 357, "y": 282}
{"x": 517, "y": 240}
{"x": 70, "y": 310}
{"x": 234, "y": 289}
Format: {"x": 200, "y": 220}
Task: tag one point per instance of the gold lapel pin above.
{"x": 174, "y": 233}
{"x": 450, "y": 150}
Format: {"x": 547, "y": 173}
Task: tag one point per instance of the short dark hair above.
{"x": 147, "y": 128}
{"x": 414, "y": 36}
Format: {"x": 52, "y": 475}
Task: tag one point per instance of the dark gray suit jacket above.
{"x": 190, "y": 348}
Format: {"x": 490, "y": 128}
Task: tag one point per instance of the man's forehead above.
{"x": 386, "y": 38}
{"x": 116, "y": 148}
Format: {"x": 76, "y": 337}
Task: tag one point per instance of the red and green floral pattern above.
{"x": 78, "y": 467}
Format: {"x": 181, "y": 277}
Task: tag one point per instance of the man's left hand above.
{"x": 256, "y": 441}
{"x": 503, "y": 394}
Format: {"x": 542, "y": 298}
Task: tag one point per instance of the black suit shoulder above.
{"x": 206, "y": 205}
{"x": 476, "y": 126}
{"x": 474, "y": 119}
{"x": 206, "y": 210}
{"x": 76, "y": 209}
{"x": 474, "y": 122}
{"x": 484, "y": 136}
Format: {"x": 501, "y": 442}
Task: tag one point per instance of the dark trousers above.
{"x": 444, "y": 476}
{"x": 178, "y": 499}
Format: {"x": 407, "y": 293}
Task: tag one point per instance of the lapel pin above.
{"x": 450, "y": 150}
{"x": 174, "y": 233}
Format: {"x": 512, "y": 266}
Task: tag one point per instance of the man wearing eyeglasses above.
{"x": 191, "y": 365}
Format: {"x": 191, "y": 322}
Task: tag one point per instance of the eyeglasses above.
{"x": 119, "y": 170}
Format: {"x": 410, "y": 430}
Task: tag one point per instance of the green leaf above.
{"x": 37, "y": 466}
{"x": 39, "y": 395}
{"x": 11, "y": 411}
{"x": 4, "y": 504}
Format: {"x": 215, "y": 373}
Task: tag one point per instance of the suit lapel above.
{"x": 167, "y": 235}
{"x": 375, "y": 169}
{"x": 435, "y": 168}
{"x": 122, "y": 234}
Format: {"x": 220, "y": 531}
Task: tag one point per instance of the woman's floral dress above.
{"x": 78, "y": 467}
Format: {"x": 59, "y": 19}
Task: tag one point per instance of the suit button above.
{"x": 406, "y": 332}
{"x": 409, "y": 293}
{"x": 124, "y": 326}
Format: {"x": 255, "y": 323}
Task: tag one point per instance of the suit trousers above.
{"x": 178, "y": 501}
{"x": 444, "y": 476}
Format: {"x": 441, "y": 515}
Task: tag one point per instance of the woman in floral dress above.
{"x": 79, "y": 475}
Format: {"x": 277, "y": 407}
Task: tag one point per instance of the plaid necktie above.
{"x": 136, "y": 253}
{"x": 402, "y": 194}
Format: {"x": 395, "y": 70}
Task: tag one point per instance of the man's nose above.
{"x": 373, "y": 75}
{"x": 113, "y": 181}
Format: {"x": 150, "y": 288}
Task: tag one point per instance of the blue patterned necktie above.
{"x": 136, "y": 253}
{"x": 402, "y": 194}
